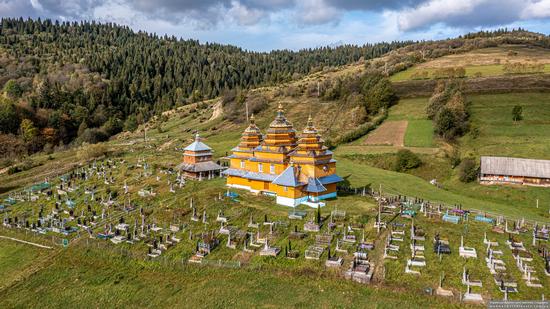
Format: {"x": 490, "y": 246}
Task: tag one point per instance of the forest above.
{"x": 65, "y": 82}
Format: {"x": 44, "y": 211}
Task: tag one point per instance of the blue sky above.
{"x": 264, "y": 25}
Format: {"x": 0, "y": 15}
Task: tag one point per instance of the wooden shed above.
{"x": 509, "y": 170}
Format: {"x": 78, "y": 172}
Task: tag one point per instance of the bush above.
{"x": 93, "y": 136}
{"x": 468, "y": 170}
{"x": 131, "y": 123}
{"x": 406, "y": 160}
{"x": 88, "y": 152}
{"x": 517, "y": 113}
{"x": 454, "y": 158}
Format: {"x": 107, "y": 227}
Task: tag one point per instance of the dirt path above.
{"x": 26, "y": 242}
{"x": 389, "y": 133}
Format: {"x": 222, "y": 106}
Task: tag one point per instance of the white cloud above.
{"x": 471, "y": 13}
{"x": 36, "y": 5}
{"x": 434, "y": 11}
{"x": 537, "y": 9}
{"x": 315, "y": 12}
{"x": 244, "y": 15}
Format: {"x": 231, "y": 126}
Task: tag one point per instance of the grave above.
{"x": 360, "y": 270}
{"x": 440, "y": 291}
{"x": 296, "y": 215}
{"x": 314, "y": 252}
{"x": 451, "y": 218}
{"x": 466, "y": 280}
{"x": 441, "y": 246}
{"x": 484, "y": 219}
{"x": 311, "y": 227}
{"x": 470, "y": 297}
{"x": 466, "y": 252}
{"x": 269, "y": 251}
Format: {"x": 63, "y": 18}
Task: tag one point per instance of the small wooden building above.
{"x": 508, "y": 170}
{"x": 197, "y": 161}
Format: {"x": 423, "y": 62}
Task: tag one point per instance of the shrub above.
{"x": 406, "y": 160}
{"x": 454, "y": 158}
{"x": 517, "y": 113}
{"x": 468, "y": 170}
{"x": 93, "y": 136}
{"x": 88, "y": 152}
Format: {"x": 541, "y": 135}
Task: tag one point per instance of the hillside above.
{"x": 84, "y": 82}
{"x": 365, "y": 111}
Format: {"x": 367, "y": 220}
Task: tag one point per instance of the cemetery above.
{"x": 153, "y": 212}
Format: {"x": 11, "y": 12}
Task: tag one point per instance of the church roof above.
{"x": 288, "y": 178}
{"x": 200, "y": 167}
{"x": 314, "y": 185}
{"x": 252, "y": 128}
{"x": 280, "y": 121}
{"x": 249, "y": 175}
{"x": 197, "y": 145}
{"x": 330, "y": 179}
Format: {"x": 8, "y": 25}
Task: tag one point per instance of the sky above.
{"x": 263, "y": 25}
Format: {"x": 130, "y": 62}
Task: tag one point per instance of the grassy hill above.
{"x": 479, "y": 63}
{"x": 92, "y": 272}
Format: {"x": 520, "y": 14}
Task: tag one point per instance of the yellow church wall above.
{"x": 269, "y": 156}
{"x": 232, "y": 180}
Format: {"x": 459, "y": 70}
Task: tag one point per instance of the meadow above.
{"x": 495, "y": 133}
{"x": 484, "y": 62}
{"x": 492, "y": 133}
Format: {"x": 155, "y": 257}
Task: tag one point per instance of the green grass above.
{"x": 513, "y": 202}
{"x": 419, "y": 133}
{"x": 86, "y": 278}
{"x": 419, "y": 129}
{"x": 16, "y": 257}
{"x": 471, "y": 71}
{"x": 491, "y": 116}
{"x": 409, "y": 109}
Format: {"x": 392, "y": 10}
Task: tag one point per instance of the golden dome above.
{"x": 252, "y": 127}
{"x": 252, "y": 136}
{"x": 280, "y": 121}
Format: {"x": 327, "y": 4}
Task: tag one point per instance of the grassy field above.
{"x": 85, "y": 277}
{"x": 491, "y": 116}
{"x": 419, "y": 130}
{"x": 516, "y": 202}
{"x": 497, "y": 135}
{"x": 481, "y": 62}
{"x": 471, "y": 71}
{"x": 15, "y": 258}
{"x": 86, "y": 274}
{"x": 419, "y": 133}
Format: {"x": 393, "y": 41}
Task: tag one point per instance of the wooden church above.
{"x": 296, "y": 170}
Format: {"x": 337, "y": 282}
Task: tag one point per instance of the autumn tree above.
{"x": 27, "y": 130}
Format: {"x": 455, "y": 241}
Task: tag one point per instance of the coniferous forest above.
{"x": 91, "y": 80}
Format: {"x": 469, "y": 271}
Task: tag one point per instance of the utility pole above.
{"x": 318, "y": 91}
